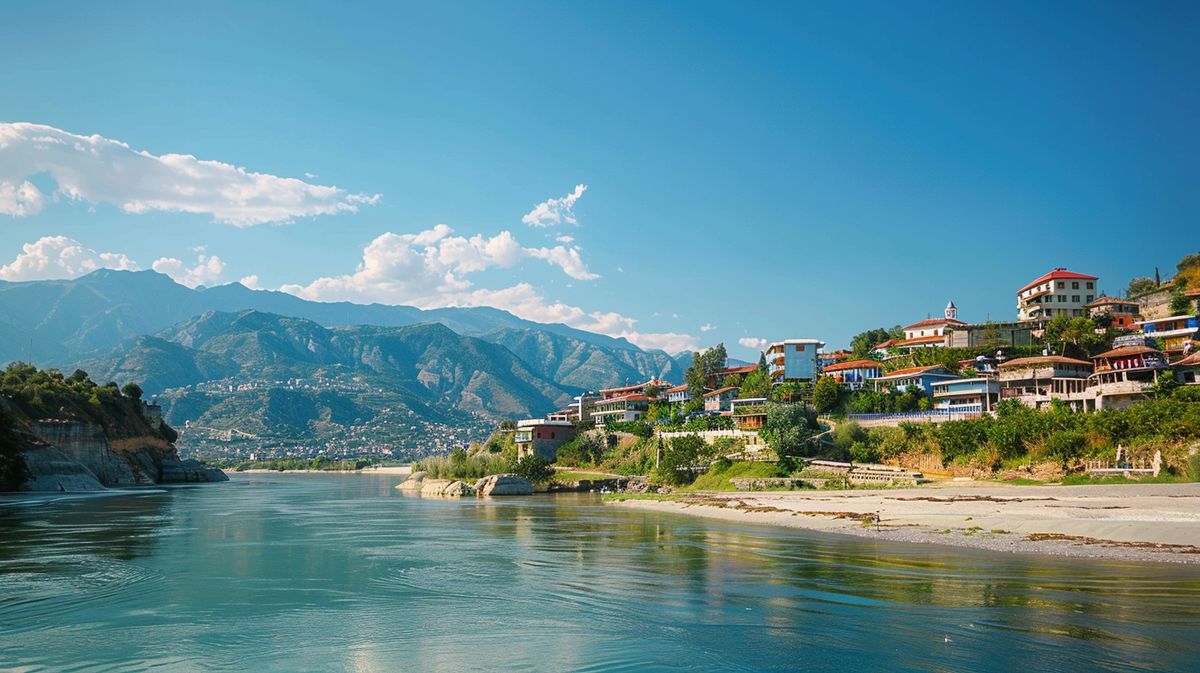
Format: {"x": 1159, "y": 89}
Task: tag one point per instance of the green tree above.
{"x": 132, "y": 390}
{"x": 675, "y": 462}
{"x": 762, "y": 362}
{"x": 1180, "y": 302}
{"x": 1139, "y": 286}
{"x": 863, "y": 342}
{"x": 704, "y": 366}
{"x": 1080, "y": 332}
{"x": 826, "y": 394}
{"x": 756, "y": 384}
{"x": 788, "y": 428}
{"x": 534, "y": 468}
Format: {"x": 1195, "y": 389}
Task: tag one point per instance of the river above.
{"x": 343, "y": 573}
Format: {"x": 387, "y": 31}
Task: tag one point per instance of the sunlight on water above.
{"x": 342, "y": 573}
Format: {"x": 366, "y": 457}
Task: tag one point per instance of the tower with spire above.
{"x": 951, "y": 311}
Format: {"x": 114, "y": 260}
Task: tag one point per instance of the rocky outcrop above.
{"x": 51, "y": 470}
{"x": 503, "y": 484}
{"x": 413, "y": 483}
{"x": 78, "y": 456}
{"x": 445, "y": 487}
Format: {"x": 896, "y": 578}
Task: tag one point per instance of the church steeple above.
{"x": 951, "y": 311}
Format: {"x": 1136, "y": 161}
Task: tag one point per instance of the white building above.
{"x": 1059, "y": 292}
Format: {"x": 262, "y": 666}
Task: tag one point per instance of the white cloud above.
{"x": 555, "y": 211}
{"x": 565, "y": 239}
{"x": 60, "y": 257}
{"x": 428, "y": 270}
{"x": 251, "y": 282}
{"x": 96, "y": 169}
{"x": 707, "y": 327}
{"x": 751, "y": 342}
{"x": 207, "y": 270}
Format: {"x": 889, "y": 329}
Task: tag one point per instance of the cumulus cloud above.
{"x": 251, "y": 282}
{"x": 565, "y": 239}
{"x": 429, "y": 269}
{"x": 95, "y": 169}
{"x": 206, "y": 271}
{"x": 555, "y": 211}
{"x": 53, "y": 257}
{"x": 751, "y": 342}
{"x": 707, "y": 327}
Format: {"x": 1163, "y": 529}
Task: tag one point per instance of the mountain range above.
{"x": 265, "y": 362}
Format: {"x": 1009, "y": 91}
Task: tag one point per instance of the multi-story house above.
{"x": 853, "y": 374}
{"x": 913, "y": 378}
{"x": 610, "y": 393}
{"x": 1177, "y": 333}
{"x": 1036, "y": 381}
{"x": 1060, "y": 292}
{"x": 1124, "y": 375}
{"x": 679, "y": 395}
{"x": 966, "y": 396}
{"x": 720, "y": 377}
{"x": 794, "y": 360}
{"x": 1122, "y": 313}
{"x": 749, "y": 413}
{"x": 542, "y": 437}
{"x": 621, "y": 409}
{"x": 719, "y": 399}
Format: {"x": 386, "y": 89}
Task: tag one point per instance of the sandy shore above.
{"x": 1141, "y": 522}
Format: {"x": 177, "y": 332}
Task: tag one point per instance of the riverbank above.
{"x": 395, "y": 470}
{"x": 1136, "y": 522}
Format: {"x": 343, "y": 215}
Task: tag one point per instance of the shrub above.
{"x": 533, "y": 468}
{"x": 1066, "y": 445}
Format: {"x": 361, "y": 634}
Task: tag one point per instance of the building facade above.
{"x": 1177, "y": 334}
{"x": 1125, "y": 375}
{"x": 966, "y": 396}
{"x": 542, "y": 437}
{"x": 853, "y": 374}
{"x": 719, "y": 399}
{"x": 1121, "y": 313}
{"x": 749, "y": 413}
{"x": 913, "y": 378}
{"x": 1059, "y": 292}
{"x": 621, "y": 409}
{"x": 1038, "y": 381}
{"x": 794, "y": 360}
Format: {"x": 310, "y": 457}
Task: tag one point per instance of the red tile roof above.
{"x": 737, "y": 370}
{"x": 884, "y": 344}
{"x": 1104, "y": 301}
{"x": 1042, "y": 360}
{"x": 1192, "y": 360}
{"x": 678, "y": 389}
{"x": 853, "y": 364}
{"x": 909, "y": 371}
{"x": 636, "y": 386}
{"x": 1058, "y": 274}
{"x": 1124, "y": 351}
{"x": 718, "y": 391}
{"x": 921, "y": 340}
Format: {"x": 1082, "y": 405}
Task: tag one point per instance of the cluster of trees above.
{"x": 863, "y": 342}
{"x": 37, "y": 393}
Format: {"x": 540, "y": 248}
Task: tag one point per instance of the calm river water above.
{"x": 343, "y": 573}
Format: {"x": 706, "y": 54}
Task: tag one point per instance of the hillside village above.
{"x": 1070, "y": 350}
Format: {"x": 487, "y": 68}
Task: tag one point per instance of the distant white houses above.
{"x": 679, "y": 395}
{"x": 621, "y": 409}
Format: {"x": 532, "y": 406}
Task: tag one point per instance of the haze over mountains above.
{"x": 270, "y": 363}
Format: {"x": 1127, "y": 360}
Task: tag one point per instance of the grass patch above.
{"x": 1086, "y": 480}
{"x": 718, "y": 476}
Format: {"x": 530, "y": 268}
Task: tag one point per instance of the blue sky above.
{"x": 783, "y": 170}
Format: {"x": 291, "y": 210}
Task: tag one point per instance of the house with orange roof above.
{"x": 717, "y": 380}
{"x": 1122, "y": 313}
{"x": 719, "y": 399}
{"x": 1059, "y": 292}
{"x": 913, "y": 378}
{"x": 929, "y": 333}
{"x": 1187, "y": 370}
{"x": 612, "y": 393}
{"x": 1177, "y": 333}
{"x": 1038, "y": 381}
{"x": 853, "y": 374}
{"x": 1125, "y": 375}
{"x": 679, "y": 395}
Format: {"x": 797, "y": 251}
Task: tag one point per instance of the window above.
{"x": 1061, "y": 285}
{"x": 1090, "y": 286}
{"x": 1091, "y": 298}
{"x": 1075, "y": 285}
{"x": 1075, "y": 298}
{"x": 1062, "y": 298}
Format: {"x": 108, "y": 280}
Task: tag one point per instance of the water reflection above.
{"x": 324, "y": 572}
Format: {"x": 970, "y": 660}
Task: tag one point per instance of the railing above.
{"x": 930, "y": 416}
